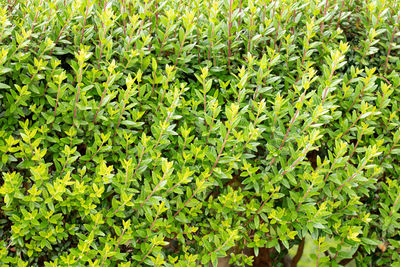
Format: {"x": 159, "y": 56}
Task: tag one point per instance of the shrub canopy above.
{"x": 175, "y": 133}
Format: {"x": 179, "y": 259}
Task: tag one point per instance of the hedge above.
{"x": 189, "y": 133}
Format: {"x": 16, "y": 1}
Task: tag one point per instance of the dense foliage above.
{"x": 183, "y": 133}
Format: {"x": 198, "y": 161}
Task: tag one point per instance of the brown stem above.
{"x": 154, "y": 83}
{"x": 240, "y": 12}
{"x": 276, "y": 33}
{"x": 142, "y": 22}
{"x": 251, "y": 24}
{"x": 205, "y": 105}
{"x": 299, "y": 253}
{"x": 209, "y": 132}
{"x": 102, "y": 143}
{"x": 162, "y": 132}
{"x": 260, "y": 208}
{"x": 361, "y": 92}
{"x": 390, "y": 44}
{"x": 229, "y": 34}
{"x": 211, "y": 42}
{"x": 390, "y": 118}
{"x": 355, "y": 147}
{"x": 347, "y": 261}
{"x": 393, "y": 146}
{"x": 366, "y": 50}
{"x": 394, "y": 205}
{"x": 330, "y": 21}
{"x": 150, "y": 26}
{"x": 319, "y": 247}
{"x": 11, "y": 6}
{"x": 341, "y": 242}
{"x": 273, "y": 11}
{"x": 162, "y": 43}
{"x": 44, "y": 29}
{"x": 84, "y": 21}
{"x": 251, "y": 135}
{"x": 172, "y": 188}
{"x": 288, "y": 130}
{"x": 290, "y": 126}
{"x": 304, "y": 198}
{"x": 33, "y": 24}
{"x": 156, "y": 5}
{"x": 330, "y": 78}
{"x": 145, "y": 256}
{"x": 123, "y": 12}
{"x": 322, "y": 23}
{"x": 180, "y": 48}
{"x": 351, "y": 178}
{"x": 351, "y": 126}
{"x": 263, "y": 16}
{"x": 297, "y": 160}
{"x": 333, "y": 164}
{"x": 151, "y": 227}
{"x": 59, "y": 35}
{"x": 218, "y": 249}
{"x": 104, "y": 5}
{"x": 140, "y": 161}
{"x": 198, "y": 38}
{"x": 154, "y": 190}
{"x": 119, "y": 240}
{"x": 258, "y": 85}
{"x": 47, "y": 84}
{"x": 102, "y": 97}
{"x": 120, "y": 117}
{"x": 101, "y": 53}
{"x": 340, "y": 14}
{"x": 139, "y": 98}
{"x": 123, "y": 204}
{"x": 127, "y": 47}
{"x": 126, "y": 175}
{"x": 367, "y": 13}
{"x": 77, "y": 94}
{"x": 104, "y": 258}
{"x": 211, "y": 172}
{"x": 284, "y": 27}
{"x": 303, "y": 58}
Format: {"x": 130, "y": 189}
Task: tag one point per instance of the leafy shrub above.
{"x": 175, "y": 133}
